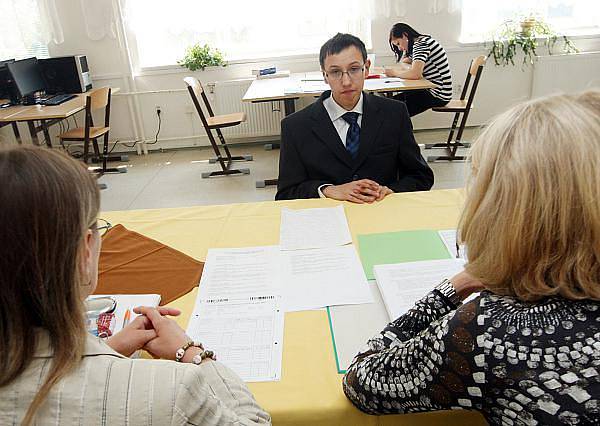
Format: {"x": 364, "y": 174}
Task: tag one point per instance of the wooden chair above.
{"x": 458, "y": 107}
{"x": 217, "y": 122}
{"x": 95, "y": 100}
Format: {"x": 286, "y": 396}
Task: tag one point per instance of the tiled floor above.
{"x": 173, "y": 178}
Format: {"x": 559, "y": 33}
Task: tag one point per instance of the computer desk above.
{"x": 310, "y": 85}
{"x": 310, "y": 389}
{"x": 46, "y": 115}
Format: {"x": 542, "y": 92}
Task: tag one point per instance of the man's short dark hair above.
{"x": 339, "y": 42}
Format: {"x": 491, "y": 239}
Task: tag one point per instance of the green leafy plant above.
{"x": 528, "y": 34}
{"x": 198, "y": 57}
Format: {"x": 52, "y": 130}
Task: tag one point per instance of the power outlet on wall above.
{"x": 158, "y": 109}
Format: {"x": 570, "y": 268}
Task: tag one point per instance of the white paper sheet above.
{"x": 246, "y": 335}
{"x": 448, "y": 236}
{"x": 313, "y": 228}
{"x": 240, "y": 273}
{"x": 323, "y": 277}
{"x": 403, "y": 284}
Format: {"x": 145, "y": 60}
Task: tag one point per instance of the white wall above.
{"x": 499, "y": 88}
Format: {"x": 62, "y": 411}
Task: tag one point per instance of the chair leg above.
{"x": 104, "y": 159}
{"x": 450, "y": 135}
{"x": 227, "y": 152}
{"x": 225, "y": 168}
{"x": 86, "y": 150}
{"x": 453, "y": 145}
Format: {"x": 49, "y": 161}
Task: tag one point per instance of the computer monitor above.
{"x": 26, "y": 76}
{"x": 5, "y": 81}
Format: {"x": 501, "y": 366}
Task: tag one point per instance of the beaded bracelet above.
{"x": 179, "y": 353}
{"x": 197, "y": 359}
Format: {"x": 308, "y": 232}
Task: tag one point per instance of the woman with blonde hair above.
{"x": 527, "y": 349}
{"x": 52, "y": 371}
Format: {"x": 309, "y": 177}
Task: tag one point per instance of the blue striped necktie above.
{"x": 353, "y": 135}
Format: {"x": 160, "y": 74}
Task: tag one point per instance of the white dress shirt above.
{"x": 336, "y": 112}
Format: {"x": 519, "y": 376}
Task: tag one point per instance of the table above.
{"x": 310, "y": 391}
{"x": 46, "y": 115}
{"x": 311, "y": 84}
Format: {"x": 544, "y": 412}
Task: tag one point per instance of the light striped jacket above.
{"x": 110, "y": 389}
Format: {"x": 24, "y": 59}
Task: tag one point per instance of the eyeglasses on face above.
{"x": 353, "y": 73}
{"x": 102, "y": 226}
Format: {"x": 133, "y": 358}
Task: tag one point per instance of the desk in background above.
{"x": 289, "y": 90}
{"x": 310, "y": 391}
{"x": 46, "y": 115}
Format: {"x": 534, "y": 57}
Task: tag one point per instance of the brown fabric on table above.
{"x": 131, "y": 263}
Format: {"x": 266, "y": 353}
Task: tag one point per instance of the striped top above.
{"x": 436, "y": 68}
{"x": 109, "y": 389}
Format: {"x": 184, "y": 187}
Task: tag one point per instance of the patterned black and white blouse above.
{"x": 515, "y": 362}
{"x": 436, "y": 67}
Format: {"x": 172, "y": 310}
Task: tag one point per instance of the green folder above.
{"x": 397, "y": 247}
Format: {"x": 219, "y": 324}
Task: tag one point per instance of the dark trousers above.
{"x": 418, "y": 101}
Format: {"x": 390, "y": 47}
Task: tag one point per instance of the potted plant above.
{"x": 198, "y": 57}
{"x": 527, "y": 34}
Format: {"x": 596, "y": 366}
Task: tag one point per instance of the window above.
{"x": 241, "y": 29}
{"x": 24, "y": 31}
{"x": 481, "y": 18}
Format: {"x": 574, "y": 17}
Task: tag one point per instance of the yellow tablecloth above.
{"x": 310, "y": 390}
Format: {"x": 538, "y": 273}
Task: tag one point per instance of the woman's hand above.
{"x": 465, "y": 285}
{"x": 169, "y": 336}
{"x": 133, "y": 336}
{"x": 390, "y": 72}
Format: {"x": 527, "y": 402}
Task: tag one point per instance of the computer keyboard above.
{"x": 57, "y": 99}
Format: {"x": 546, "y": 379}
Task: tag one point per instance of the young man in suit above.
{"x": 349, "y": 145}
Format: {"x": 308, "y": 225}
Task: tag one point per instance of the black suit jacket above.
{"x": 312, "y": 153}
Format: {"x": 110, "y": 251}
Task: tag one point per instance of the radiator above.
{"x": 565, "y": 73}
{"x": 262, "y": 119}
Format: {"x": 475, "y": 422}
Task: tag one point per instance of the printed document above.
{"x": 448, "y": 236}
{"x": 403, "y": 284}
{"x": 323, "y": 277}
{"x": 313, "y": 228}
{"x": 240, "y": 273}
{"x": 246, "y": 335}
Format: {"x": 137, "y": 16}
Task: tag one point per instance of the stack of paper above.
{"x": 403, "y": 284}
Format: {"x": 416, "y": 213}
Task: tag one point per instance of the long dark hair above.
{"x": 397, "y": 31}
{"x": 49, "y": 201}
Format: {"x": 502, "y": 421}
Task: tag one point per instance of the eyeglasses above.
{"x": 353, "y": 73}
{"x": 102, "y": 226}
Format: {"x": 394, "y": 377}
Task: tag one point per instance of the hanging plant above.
{"x": 527, "y": 34}
{"x": 198, "y": 57}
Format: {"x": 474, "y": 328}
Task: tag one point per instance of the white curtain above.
{"x": 99, "y": 18}
{"x": 388, "y": 8}
{"x": 242, "y": 29}
{"x": 449, "y": 6}
{"x": 27, "y": 27}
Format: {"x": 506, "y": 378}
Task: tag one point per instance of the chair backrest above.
{"x": 474, "y": 71}
{"x": 95, "y": 100}
{"x": 197, "y": 92}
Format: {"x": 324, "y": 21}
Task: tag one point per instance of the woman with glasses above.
{"x": 52, "y": 371}
{"x": 527, "y": 349}
{"x": 420, "y": 56}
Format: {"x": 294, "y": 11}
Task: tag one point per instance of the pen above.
{"x": 126, "y": 318}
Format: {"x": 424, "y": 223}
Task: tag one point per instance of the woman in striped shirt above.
{"x": 420, "y": 56}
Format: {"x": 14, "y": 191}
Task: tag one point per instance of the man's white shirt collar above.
{"x": 336, "y": 111}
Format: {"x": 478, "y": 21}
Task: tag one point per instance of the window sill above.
{"x": 176, "y": 69}
{"x": 572, "y": 36}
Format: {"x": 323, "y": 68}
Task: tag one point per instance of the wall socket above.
{"x": 158, "y": 109}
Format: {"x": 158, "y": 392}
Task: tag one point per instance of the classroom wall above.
{"x": 500, "y": 86}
